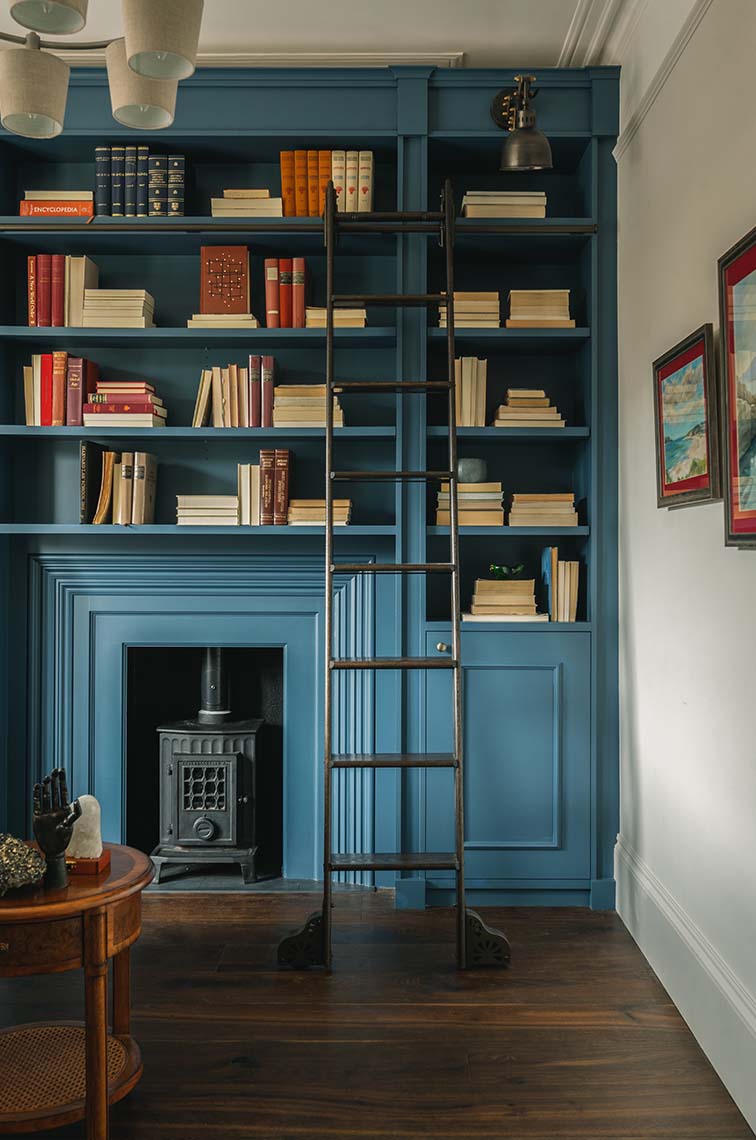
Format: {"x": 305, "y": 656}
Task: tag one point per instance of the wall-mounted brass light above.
{"x": 527, "y": 148}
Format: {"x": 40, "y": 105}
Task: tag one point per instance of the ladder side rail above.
{"x": 329, "y": 236}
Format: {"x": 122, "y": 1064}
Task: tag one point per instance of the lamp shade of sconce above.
{"x": 145, "y": 104}
{"x": 527, "y": 148}
{"x": 162, "y": 38}
{"x": 53, "y": 17}
{"x": 34, "y": 86}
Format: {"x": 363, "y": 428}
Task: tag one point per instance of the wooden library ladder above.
{"x": 477, "y": 944}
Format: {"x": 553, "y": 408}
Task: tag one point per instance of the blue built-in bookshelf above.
{"x": 540, "y": 699}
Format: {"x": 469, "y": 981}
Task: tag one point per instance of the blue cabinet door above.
{"x": 527, "y": 741}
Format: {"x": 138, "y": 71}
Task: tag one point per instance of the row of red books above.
{"x": 55, "y": 388}
{"x": 285, "y": 292}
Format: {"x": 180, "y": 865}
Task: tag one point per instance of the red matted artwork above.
{"x": 737, "y": 306}
{"x": 686, "y": 405}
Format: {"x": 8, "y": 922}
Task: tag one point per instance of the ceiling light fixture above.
{"x": 527, "y": 148}
{"x": 144, "y": 67}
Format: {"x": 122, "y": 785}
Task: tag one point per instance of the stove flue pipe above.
{"x": 214, "y": 708}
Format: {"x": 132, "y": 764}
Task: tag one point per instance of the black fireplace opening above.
{"x": 204, "y": 761}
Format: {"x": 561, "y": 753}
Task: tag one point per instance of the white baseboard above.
{"x": 717, "y": 1006}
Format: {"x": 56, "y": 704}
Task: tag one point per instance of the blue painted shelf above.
{"x": 217, "y": 435}
{"x": 178, "y": 531}
{"x": 491, "y": 434}
{"x": 196, "y": 338}
{"x": 514, "y": 531}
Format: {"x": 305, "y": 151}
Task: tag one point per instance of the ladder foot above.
{"x": 485, "y": 945}
{"x": 306, "y": 947}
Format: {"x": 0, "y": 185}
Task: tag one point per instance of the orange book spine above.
{"x": 312, "y": 183}
{"x": 300, "y": 183}
{"x": 287, "y": 183}
{"x": 324, "y": 177}
{"x": 73, "y": 209}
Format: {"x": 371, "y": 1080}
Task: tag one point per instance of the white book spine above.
{"x": 338, "y": 175}
{"x": 351, "y": 181}
{"x": 365, "y": 182}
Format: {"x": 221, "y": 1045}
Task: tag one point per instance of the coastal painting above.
{"x": 686, "y": 437}
{"x": 737, "y": 296}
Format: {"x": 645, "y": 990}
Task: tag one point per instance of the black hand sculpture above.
{"x": 54, "y": 818}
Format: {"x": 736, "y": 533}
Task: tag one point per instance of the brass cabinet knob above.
{"x": 442, "y": 647}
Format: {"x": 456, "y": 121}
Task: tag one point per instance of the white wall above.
{"x": 686, "y": 857}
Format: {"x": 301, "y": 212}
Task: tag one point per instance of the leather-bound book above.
{"x": 102, "y": 181}
{"x": 59, "y": 370}
{"x": 255, "y": 394}
{"x": 266, "y": 386}
{"x": 287, "y": 184}
{"x": 300, "y": 183}
{"x": 44, "y": 290}
{"x": 90, "y": 473}
{"x": 298, "y": 292}
{"x": 31, "y": 288}
{"x": 285, "y": 298}
{"x": 312, "y": 183}
{"x": 224, "y": 279}
{"x": 117, "y": 170}
{"x": 46, "y": 389}
{"x": 272, "y": 314}
{"x": 324, "y": 177}
{"x": 281, "y": 487}
{"x": 267, "y": 479}
{"x": 57, "y": 289}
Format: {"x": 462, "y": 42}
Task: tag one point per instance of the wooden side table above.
{"x": 59, "y": 1072}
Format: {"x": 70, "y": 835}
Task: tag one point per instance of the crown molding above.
{"x": 593, "y": 24}
{"x": 667, "y": 66}
{"x": 295, "y": 59}
{"x": 622, "y": 31}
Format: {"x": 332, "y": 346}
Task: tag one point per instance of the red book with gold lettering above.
{"x": 59, "y": 372}
{"x": 266, "y": 387}
{"x": 285, "y": 297}
{"x": 57, "y": 289}
{"x": 267, "y": 474}
{"x": 281, "y": 487}
{"x": 44, "y": 289}
{"x": 224, "y": 279}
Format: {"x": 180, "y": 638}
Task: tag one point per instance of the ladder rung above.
{"x": 393, "y": 567}
{"x": 392, "y": 386}
{"x": 389, "y": 216}
{"x": 397, "y": 476}
{"x": 394, "y": 760}
{"x": 348, "y": 300}
{"x": 394, "y": 663}
{"x": 400, "y": 861}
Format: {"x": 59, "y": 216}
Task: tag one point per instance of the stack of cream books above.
{"x": 207, "y": 510}
{"x": 504, "y": 600}
{"x": 539, "y": 309}
{"x": 303, "y": 405}
{"x": 118, "y": 309}
{"x": 472, "y": 310}
{"x": 312, "y": 512}
{"x": 543, "y": 510}
{"x": 527, "y": 408}
{"x": 246, "y": 204}
{"x": 223, "y": 321}
{"x": 504, "y": 204}
{"x": 248, "y": 487}
{"x": 479, "y": 504}
{"x": 470, "y": 375}
{"x": 342, "y": 318}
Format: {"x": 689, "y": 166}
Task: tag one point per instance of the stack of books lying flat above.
{"x": 504, "y": 204}
{"x": 312, "y": 512}
{"x": 342, "y": 318}
{"x": 543, "y": 510}
{"x": 57, "y": 204}
{"x": 223, "y": 321}
{"x": 246, "y": 204}
{"x": 539, "y": 308}
{"x": 562, "y": 581}
{"x": 303, "y": 405}
{"x": 118, "y": 309}
{"x": 124, "y": 403}
{"x": 470, "y": 376}
{"x": 479, "y": 505}
{"x": 473, "y": 310}
{"x": 207, "y": 510}
{"x": 507, "y": 600}
{"x": 527, "y": 408}
{"x": 248, "y": 485}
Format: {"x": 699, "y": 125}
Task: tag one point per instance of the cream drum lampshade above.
{"x": 34, "y": 86}
{"x": 162, "y": 36}
{"x": 53, "y": 17}
{"x": 146, "y": 104}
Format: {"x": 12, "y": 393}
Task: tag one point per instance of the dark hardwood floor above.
{"x": 578, "y": 1039}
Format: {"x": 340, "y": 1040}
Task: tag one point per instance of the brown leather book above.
{"x": 224, "y": 279}
{"x": 281, "y": 487}
{"x": 59, "y": 370}
{"x": 267, "y": 476}
{"x": 287, "y": 183}
{"x": 267, "y": 385}
{"x": 312, "y": 183}
{"x": 300, "y": 183}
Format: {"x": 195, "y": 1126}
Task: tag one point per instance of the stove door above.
{"x": 206, "y": 799}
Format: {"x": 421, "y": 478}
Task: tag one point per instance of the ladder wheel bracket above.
{"x": 306, "y": 947}
{"x": 485, "y": 946}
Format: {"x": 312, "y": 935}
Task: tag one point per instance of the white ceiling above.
{"x": 490, "y": 33}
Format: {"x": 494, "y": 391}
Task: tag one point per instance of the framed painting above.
{"x": 686, "y": 406}
{"x": 737, "y": 310}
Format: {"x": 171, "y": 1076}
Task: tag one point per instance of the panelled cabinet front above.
{"x": 527, "y": 756}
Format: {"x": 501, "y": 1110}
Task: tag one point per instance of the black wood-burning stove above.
{"x": 208, "y": 783}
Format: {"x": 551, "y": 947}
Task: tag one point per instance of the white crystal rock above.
{"x": 86, "y": 840}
